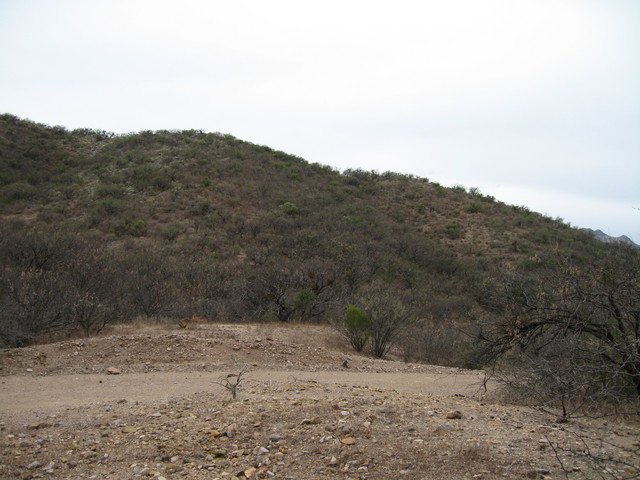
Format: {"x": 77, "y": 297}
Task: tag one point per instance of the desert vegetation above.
{"x": 101, "y": 229}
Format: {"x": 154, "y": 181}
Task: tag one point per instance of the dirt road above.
{"x": 23, "y": 393}
{"x": 299, "y": 413}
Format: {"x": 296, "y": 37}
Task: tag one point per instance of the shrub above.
{"x": 161, "y": 181}
{"x": 389, "y": 318}
{"x": 109, "y": 190}
{"x": 355, "y": 327}
{"x": 290, "y": 208}
{"x": 570, "y": 330}
{"x": 474, "y": 208}
{"x": 15, "y": 192}
{"x": 109, "y": 206}
{"x": 171, "y": 232}
{"x": 453, "y": 231}
{"x": 137, "y": 228}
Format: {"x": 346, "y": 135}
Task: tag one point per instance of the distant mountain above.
{"x": 603, "y": 237}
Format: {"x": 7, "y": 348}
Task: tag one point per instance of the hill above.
{"x": 108, "y": 227}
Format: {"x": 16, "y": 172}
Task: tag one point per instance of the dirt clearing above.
{"x": 300, "y": 414}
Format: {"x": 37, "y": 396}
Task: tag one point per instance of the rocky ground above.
{"x": 167, "y": 412}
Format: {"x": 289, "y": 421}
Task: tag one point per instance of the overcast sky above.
{"x": 536, "y": 102}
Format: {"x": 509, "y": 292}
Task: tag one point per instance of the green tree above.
{"x": 355, "y": 326}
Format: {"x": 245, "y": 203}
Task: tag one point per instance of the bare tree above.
{"x": 147, "y": 276}
{"x": 92, "y": 290}
{"x": 33, "y": 278}
{"x": 389, "y": 316}
{"x": 574, "y": 328}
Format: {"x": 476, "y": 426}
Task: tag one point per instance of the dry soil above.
{"x": 300, "y": 413}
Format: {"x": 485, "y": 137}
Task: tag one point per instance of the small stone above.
{"x": 250, "y": 472}
{"x": 333, "y": 462}
{"x": 348, "y": 441}
{"x": 310, "y": 421}
{"x": 113, "y": 371}
{"x": 443, "y": 428}
{"x": 129, "y": 429}
{"x": 38, "y": 425}
{"x": 35, "y": 464}
{"x": 275, "y": 437}
{"x": 454, "y": 415}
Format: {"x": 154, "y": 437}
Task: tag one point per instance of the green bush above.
{"x": 290, "y": 208}
{"x": 109, "y": 206}
{"x": 171, "y": 232}
{"x": 137, "y": 228}
{"x": 109, "y": 190}
{"x": 15, "y": 192}
{"x": 474, "y": 208}
{"x": 453, "y": 231}
{"x": 356, "y": 327}
{"x": 161, "y": 181}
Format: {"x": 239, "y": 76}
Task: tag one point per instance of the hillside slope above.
{"x": 181, "y": 223}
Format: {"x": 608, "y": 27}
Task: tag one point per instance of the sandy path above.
{"x": 19, "y": 394}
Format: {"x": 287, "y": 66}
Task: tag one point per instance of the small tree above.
{"x": 33, "y": 284}
{"x": 379, "y": 320}
{"x": 573, "y": 330}
{"x": 355, "y": 326}
{"x": 389, "y": 317}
